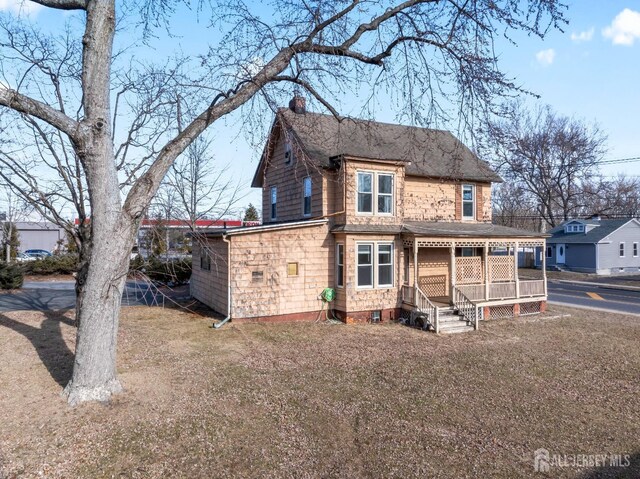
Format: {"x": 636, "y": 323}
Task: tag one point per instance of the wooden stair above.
{"x": 450, "y": 322}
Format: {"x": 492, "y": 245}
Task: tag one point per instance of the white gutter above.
{"x": 271, "y": 227}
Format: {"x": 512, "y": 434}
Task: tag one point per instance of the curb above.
{"x": 604, "y": 310}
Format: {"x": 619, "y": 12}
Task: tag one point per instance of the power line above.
{"x": 631, "y": 159}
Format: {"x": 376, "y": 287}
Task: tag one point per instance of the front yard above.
{"x": 313, "y": 400}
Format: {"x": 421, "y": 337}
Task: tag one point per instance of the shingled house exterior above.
{"x": 396, "y": 219}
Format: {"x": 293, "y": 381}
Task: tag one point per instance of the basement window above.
{"x": 257, "y": 276}
{"x": 292, "y": 269}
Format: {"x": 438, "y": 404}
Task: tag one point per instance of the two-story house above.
{"x": 395, "y": 219}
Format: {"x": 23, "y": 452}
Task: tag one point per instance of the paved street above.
{"x": 594, "y": 296}
{"x": 50, "y": 295}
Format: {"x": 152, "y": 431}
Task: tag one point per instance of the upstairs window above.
{"x": 385, "y": 194}
{"x": 288, "y": 152}
{"x": 635, "y": 250}
{"x": 306, "y": 196}
{"x": 468, "y": 202}
{"x": 365, "y": 192}
{"x": 274, "y": 202}
{"x": 622, "y": 250}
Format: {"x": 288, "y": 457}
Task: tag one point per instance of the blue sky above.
{"x": 590, "y": 71}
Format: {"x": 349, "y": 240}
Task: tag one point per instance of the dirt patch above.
{"x": 315, "y": 400}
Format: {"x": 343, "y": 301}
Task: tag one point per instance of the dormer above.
{"x": 574, "y": 227}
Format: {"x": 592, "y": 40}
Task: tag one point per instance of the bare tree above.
{"x": 14, "y": 210}
{"x": 618, "y": 197}
{"x": 425, "y": 51}
{"x": 549, "y": 156}
{"x": 515, "y": 207}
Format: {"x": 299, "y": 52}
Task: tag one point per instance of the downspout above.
{"x": 228, "y": 318}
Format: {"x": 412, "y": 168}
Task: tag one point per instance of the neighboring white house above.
{"x": 595, "y": 245}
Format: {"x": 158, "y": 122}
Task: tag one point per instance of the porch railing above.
{"x": 532, "y": 288}
{"x": 466, "y": 307}
{"x": 407, "y": 294}
{"x": 425, "y": 306}
{"x": 502, "y": 290}
{"x": 475, "y": 292}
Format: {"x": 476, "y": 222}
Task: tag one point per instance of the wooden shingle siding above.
{"x": 288, "y": 178}
{"x": 210, "y": 287}
{"x": 430, "y": 200}
{"x": 268, "y": 253}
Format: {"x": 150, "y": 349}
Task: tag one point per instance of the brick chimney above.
{"x": 298, "y": 104}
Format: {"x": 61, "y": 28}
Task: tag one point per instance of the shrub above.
{"x": 11, "y": 276}
{"x": 58, "y": 264}
{"x": 175, "y": 271}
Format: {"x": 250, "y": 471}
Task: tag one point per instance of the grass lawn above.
{"x": 315, "y": 400}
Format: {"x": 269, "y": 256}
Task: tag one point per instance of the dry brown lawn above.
{"x": 315, "y": 400}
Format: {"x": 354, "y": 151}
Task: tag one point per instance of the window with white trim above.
{"x": 385, "y": 265}
{"x": 635, "y": 250}
{"x": 364, "y": 269}
{"x": 274, "y": 202}
{"x": 306, "y": 196}
{"x": 365, "y": 192}
{"x": 385, "y": 193}
{"x": 622, "y": 249}
{"x": 468, "y": 202}
{"x": 339, "y": 265}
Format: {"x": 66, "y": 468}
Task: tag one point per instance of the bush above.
{"x": 58, "y": 264}
{"x": 11, "y": 276}
{"x": 175, "y": 271}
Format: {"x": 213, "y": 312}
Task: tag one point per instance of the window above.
{"x": 306, "y": 196}
{"x": 365, "y": 266}
{"x": 288, "y": 153}
{"x": 467, "y": 251}
{"x": 635, "y": 250}
{"x": 292, "y": 269}
{"x": 549, "y": 252}
{"x": 622, "y": 249}
{"x": 407, "y": 269}
{"x": 385, "y": 194}
{"x": 385, "y": 264}
{"x": 365, "y": 192}
{"x": 340, "y": 265}
{"x": 468, "y": 201}
{"x": 257, "y": 276}
{"x": 274, "y": 202}
{"x": 205, "y": 260}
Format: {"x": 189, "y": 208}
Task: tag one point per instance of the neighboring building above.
{"x": 40, "y": 235}
{"x": 396, "y": 219}
{"x": 595, "y": 246}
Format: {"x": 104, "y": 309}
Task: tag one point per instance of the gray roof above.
{"x": 430, "y": 153}
{"x": 603, "y": 229}
{"x": 441, "y": 228}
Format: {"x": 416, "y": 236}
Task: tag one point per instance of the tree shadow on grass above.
{"x": 48, "y": 342}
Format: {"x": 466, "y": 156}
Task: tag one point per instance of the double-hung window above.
{"x": 468, "y": 202}
{"x": 635, "y": 250}
{"x": 622, "y": 249}
{"x": 365, "y": 192}
{"x": 274, "y": 202}
{"x": 385, "y": 194}
{"x": 385, "y": 265}
{"x": 339, "y": 265}
{"x": 374, "y": 264}
{"x": 306, "y": 196}
{"x": 365, "y": 265}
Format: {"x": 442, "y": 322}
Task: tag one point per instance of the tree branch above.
{"x": 63, "y": 4}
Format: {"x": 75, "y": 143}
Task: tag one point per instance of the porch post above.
{"x": 485, "y": 258}
{"x": 415, "y": 267}
{"x": 453, "y": 267}
{"x": 515, "y": 268}
{"x": 544, "y": 265}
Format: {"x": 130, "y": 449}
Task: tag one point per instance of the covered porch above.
{"x": 466, "y": 274}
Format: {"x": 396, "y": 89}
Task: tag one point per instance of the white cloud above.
{"x": 546, "y": 57}
{"x": 582, "y": 36}
{"x": 625, "y": 28}
{"x": 20, "y": 7}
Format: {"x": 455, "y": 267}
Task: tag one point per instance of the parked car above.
{"x": 24, "y": 257}
{"x": 38, "y": 253}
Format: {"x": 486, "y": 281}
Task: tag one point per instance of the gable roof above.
{"x": 603, "y": 228}
{"x": 428, "y": 153}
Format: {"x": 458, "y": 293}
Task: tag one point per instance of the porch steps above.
{"x": 451, "y": 322}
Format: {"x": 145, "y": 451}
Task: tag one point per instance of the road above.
{"x": 60, "y": 295}
{"x": 594, "y": 297}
